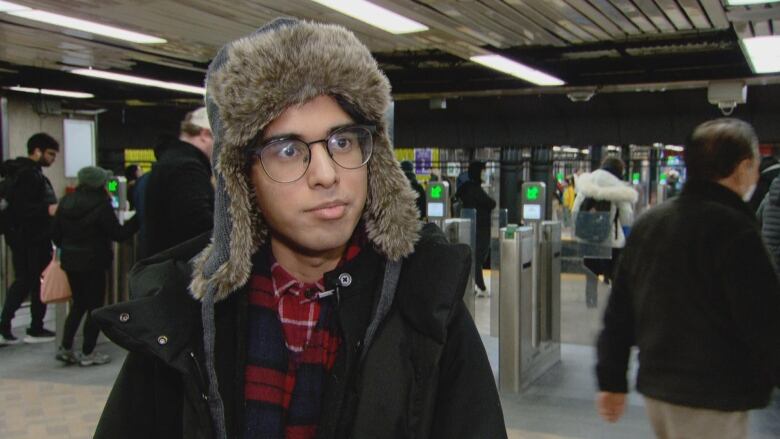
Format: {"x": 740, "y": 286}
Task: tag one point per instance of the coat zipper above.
{"x": 201, "y": 379}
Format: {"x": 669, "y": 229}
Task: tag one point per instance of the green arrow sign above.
{"x": 436, "y": 192}
{"x": 532, "y": 193}
{"x": 112, "y": 185}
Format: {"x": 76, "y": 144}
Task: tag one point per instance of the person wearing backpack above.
{"x": 31, "y": 205}
{"x": 607, "y": 203}
{"x": 84, "y": 226}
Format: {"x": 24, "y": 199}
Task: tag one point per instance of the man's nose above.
{"x": 322, "y": 169}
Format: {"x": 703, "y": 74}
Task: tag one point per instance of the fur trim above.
{"x": 250, "y": 83}
{"x": 602, "y": 185}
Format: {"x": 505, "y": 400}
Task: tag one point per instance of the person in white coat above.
{"x": 606, "y": 184}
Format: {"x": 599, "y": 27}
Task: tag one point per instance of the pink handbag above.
{"x": 54, "y": 283}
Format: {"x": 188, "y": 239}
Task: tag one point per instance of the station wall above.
{"x": 23, "y": 122}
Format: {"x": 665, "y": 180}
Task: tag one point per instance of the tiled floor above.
{"x": 41, "y": 398}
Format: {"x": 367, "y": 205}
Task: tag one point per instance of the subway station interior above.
{"x": 540, "y": 91}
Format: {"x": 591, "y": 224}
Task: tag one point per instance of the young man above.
{"x": 32, "y": 203}
{"x": 179, "y": 195}
{"x": 319, "y": 308}
{"x": 696, "y": 292}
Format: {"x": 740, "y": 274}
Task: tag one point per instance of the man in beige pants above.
{"x": 696, "y": 292}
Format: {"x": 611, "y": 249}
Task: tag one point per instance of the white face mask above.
{"x": 749, "y": 194}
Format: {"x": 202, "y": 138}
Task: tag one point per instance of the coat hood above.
{"x": 252, "y": 81}
{"x": 602, "y": 185}
{"x": 81, "y": 203}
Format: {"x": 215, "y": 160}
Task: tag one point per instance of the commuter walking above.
{"x": 769, "y": 169}
{"x": 769, "y": 216}
{"x": 604, "y": 191}
{"x": 408, "y": 169}
{"x": 32, "y": 202}
{"x": 132, "y": 174}
{"x": 179, "y": 195}
{"x": 319, "y": 307}
{"x": 84, "y": 226}
{"x": 472, "y": 196}
{"x": 569, "y": 195}
{"x": 696, "y": 292}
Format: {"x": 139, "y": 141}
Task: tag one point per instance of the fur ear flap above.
{"x": 391, "y": 215}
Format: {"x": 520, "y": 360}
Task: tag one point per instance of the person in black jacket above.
{"x": 769, "y": 169}
{"x": 179, "y": 194}
{"x": 84, "y": 226}
{"x": 422, "y": 206}
{"x": 32, "y": 202}
{"x": 318, "y": 308}
{"x": 472, "y": 196}
{"x": 769, "y": 216}
{"x": 696, "y": 292}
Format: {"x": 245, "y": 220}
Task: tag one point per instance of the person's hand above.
{"x": 611, "y": 405}
{"x": 52, "y": 209}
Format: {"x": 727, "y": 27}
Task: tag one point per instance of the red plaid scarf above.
{"x": 292, "y": 342}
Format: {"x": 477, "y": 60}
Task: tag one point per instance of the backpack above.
{"x": 9, "y": 171}
{"x": 593, "y": 223}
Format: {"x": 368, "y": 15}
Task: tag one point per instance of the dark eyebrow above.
{"x": 296, "y": 136}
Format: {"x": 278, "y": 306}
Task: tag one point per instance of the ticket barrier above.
{"x": 124, "y": 252}
{"x": 461, "y": 230}
{"x": 529, "y": 309}
{"x": 498, "y": 221}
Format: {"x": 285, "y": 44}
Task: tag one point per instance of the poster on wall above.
{"x": 423, "y": 159}
{"x": 79, "y": 148}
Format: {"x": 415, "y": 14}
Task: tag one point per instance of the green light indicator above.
{"x": 532, "y": 193}
{"x": 560, "y": 176}
{"x": 113, "y": 185}
{"x": 663, "y": 178}
{"x": 635, "y": 177}
{"x": 436, "y": 192}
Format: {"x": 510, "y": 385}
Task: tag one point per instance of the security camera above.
{"x": 580, "y": 96}
{"x": 727, "y": 95}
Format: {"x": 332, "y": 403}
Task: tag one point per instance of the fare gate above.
{"x": 529, "y": 303}
{"x": 462, "y": 231}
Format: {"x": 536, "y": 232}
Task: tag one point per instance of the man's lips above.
{"x": 329, "y": 211}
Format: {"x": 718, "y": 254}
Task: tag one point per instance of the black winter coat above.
{"x": 179, "y": 198}
{"x": 770, "y": 220}
{"x": 696, "y": 292}
{"x": 84, "y": 226}
{"x": 473, "y": 196}
{"x": 29, "y": 202}
{"x": 426, "y": 374}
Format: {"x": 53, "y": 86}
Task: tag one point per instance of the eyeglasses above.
{"x": 286, "y": 160}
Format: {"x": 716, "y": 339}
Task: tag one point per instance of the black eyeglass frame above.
{"x": 254, "y": 153}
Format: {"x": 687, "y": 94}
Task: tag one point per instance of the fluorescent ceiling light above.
{"x": 374, "y": 15}
{"x": 516, "y": 69}
{"x": 749, "y": 2}
{"x": 78, "y": 24}
{"x": 8, "y": 7}
{"x": 140, "y": 81}
{"x": 763, "y": 53}
{"x": 46, "y": 91}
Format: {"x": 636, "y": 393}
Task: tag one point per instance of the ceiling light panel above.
{"x": 8, "y": 7}
{"x": 78, "y": 24}
{"x": 763, "y": 53}
{"x": 51, "y": 92}
{"x": 749, "y": 2}
{"x": 137, "y": 80}
{"x": 374, "y": 15}
{"x": 516, "y": 69}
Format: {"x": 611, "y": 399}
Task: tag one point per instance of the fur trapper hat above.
{"x": 252, "y": 81}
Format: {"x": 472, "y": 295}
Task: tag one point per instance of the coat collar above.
{"x": 711, "y": 191}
